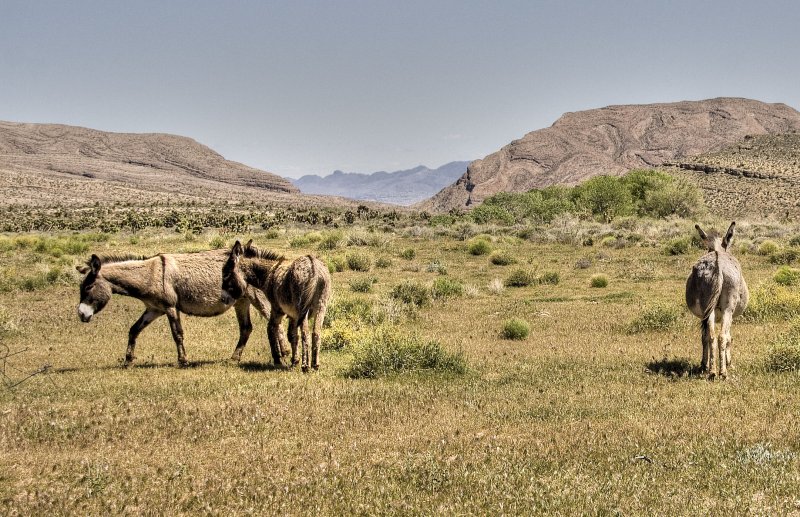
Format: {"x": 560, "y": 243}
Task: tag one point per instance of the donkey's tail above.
{"x": 315, "y": 288}
{"x": 716, "y": 289}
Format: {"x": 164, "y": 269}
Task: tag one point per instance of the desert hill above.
{"x": 760, "y": 174}
{"x": 400, "y": 187}
{"x": 42, "y": 163}
{"x": 613, "y": 140}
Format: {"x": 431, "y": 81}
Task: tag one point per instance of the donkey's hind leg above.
{"x": 174, "y": 318}
{"x": 319, "y": 319}
{"x": 274, "y": 335}
{"x": 304, "y": 334}
{"x": 144, "y": 320}
{"x": 726, "y": 343}
{"x": 242, "y": 308}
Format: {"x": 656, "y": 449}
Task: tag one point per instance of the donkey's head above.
{"x": 95, "y": 290}
{"x": 233, "y": 281}
{"x": 713, "y": 242}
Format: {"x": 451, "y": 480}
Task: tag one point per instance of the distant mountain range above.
{"x": 400, "y": 187}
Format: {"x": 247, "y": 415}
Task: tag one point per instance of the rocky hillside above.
{"x": 760, "y": 174}
{"x": 399, "y": 187}
{"x": 613, "y": 140}
{"x": 41, "y": 163}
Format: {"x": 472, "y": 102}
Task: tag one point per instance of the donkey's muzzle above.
{"x": 85, "y": 312}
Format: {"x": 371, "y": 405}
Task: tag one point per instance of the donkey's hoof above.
{"x": 183, "y": 363}
{"x": 711, "y": 376}
{"x": 305, "y": 369}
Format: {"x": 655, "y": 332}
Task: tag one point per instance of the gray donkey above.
{"x": 299, "y": 289}
{"x": 715, "y": 288}
{"x": 167, "y": 284}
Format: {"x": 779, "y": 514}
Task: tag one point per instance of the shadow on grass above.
{"x": 679, "y": 367}
{"x": 252, "y": 366}
{"x": 134, "y": 366}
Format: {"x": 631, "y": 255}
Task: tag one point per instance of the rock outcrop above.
{"x": 613, "y": 140}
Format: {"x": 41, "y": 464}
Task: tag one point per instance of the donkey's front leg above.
{"x": 144, "y": 320}
{"x": 177, "y": 334}
{"x": 242, "y": 308}
{"x": 274, "y": 336}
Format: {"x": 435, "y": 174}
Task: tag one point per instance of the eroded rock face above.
{"x": 613, "y": 140}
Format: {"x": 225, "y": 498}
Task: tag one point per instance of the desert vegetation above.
{"x": 450, "y": 382}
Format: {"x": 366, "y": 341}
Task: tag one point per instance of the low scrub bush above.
{"x": 349, "y": 310}
{"x": 445, "y": 287}
{"x": 299, "y": 241}
{"x": 412, "y": 293}
{"x": 783, "y": 354}
{"x": 383, "y": 262}
{"x": 598, "y": 281}
{"x": 362, "y": 285}
{"x": 549, "y": 277}
{"x": 516, "y": 329}
{"x": 785, "y": 256}
{"x": 479, "y": 246}
{"x": 436, "y": 267}
{"x": 336, "y": 264}
{"x": 496, "y": 286}
{"x": 408, "y": 254}
{"x": 787, "y": 276}
{"x": 772, "y": 302}
{"x": 359, "y": 262}
{"x": 794, "y": 241}
{"x": 330, "y": 240}
{"x": 658, "y": 317}
{"x": 767, "y": 248}
{"x": 521, "y": 278}
{"x": 7, "y": 324}
{"x": 386, "y": 350}
{"x": 679, "y": 246}
{"x": 341, "y": 334}
{"x": 502, "y": 258}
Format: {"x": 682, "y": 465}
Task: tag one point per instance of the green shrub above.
{"x": 654, "y": 318}
{"x": 340, "y": 334}
{"x": 313, "y": 237}
{"x": 679, "y": 246}
{"x": 359, "y": 262}
{"x": 386, "y": 350}
{"x": 336, "y": 264}
{"x": 299, "y": 241}
{"x": 599, "y": 281}
{"x": 783, "y": 354}
{"x": 408, "y": 253}
{"x": 445, "y": 287}
{"x": 362, "y": 285}
{"x": 383, "y": 262}
{"x": 516, "y": 329}
{"x": 549, "y": 277}
{"x": 767, "y": 248}
{"x": 772, "y": 302}
{"x": 787, "y": 276}
{"x": 331, "y": 240}
{"x": 502, "y": 258}
{"x": 479, "y": 246}
{"x": 272, "y": 233}
{"x": 520, "y": 278}
{"x": 436, "y": 267}
{"x": 784, "y": 257}
{"x": 412, "y": 293}
{"x": 605, "y": 197}
{"x": 349, "y": 309}
{"x": 217, "y": 242}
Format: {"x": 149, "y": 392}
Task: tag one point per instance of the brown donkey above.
{"x": 716, "y": 287}
{"x": 167, "y": 284}
{"x": 299, "y": 290}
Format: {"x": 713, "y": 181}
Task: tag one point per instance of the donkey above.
{"x": 299, "y": 289}
{"x": 716, "y": 287}
{"x": 167, "y": 284}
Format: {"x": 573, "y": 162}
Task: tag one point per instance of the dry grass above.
{"x": 569, "y": 421}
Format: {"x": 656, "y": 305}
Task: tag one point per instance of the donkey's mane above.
{"x": 119, "y": 257}
{"x": 253, "y": 252}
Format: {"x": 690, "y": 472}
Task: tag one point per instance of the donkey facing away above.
{"x": 715, "y": 288}
{"x": 299, "y": 290}
{"x": 167, "y": 284}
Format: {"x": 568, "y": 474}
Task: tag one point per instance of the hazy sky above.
{"x": 301, "y": 87}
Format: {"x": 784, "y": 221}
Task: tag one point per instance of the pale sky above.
{"x": 299, "y": 87}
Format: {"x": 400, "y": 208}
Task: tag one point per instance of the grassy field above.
{"x": 597, "y": 410}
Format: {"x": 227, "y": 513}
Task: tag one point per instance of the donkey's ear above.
{"x": 236, "y": 252}
{"x": 249, "y": 245}
{"x": 82, "y": 269}
{"x": 95, "y": 264}
{"x": 728, "y": 236}
{"x": 701, "y": 232}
